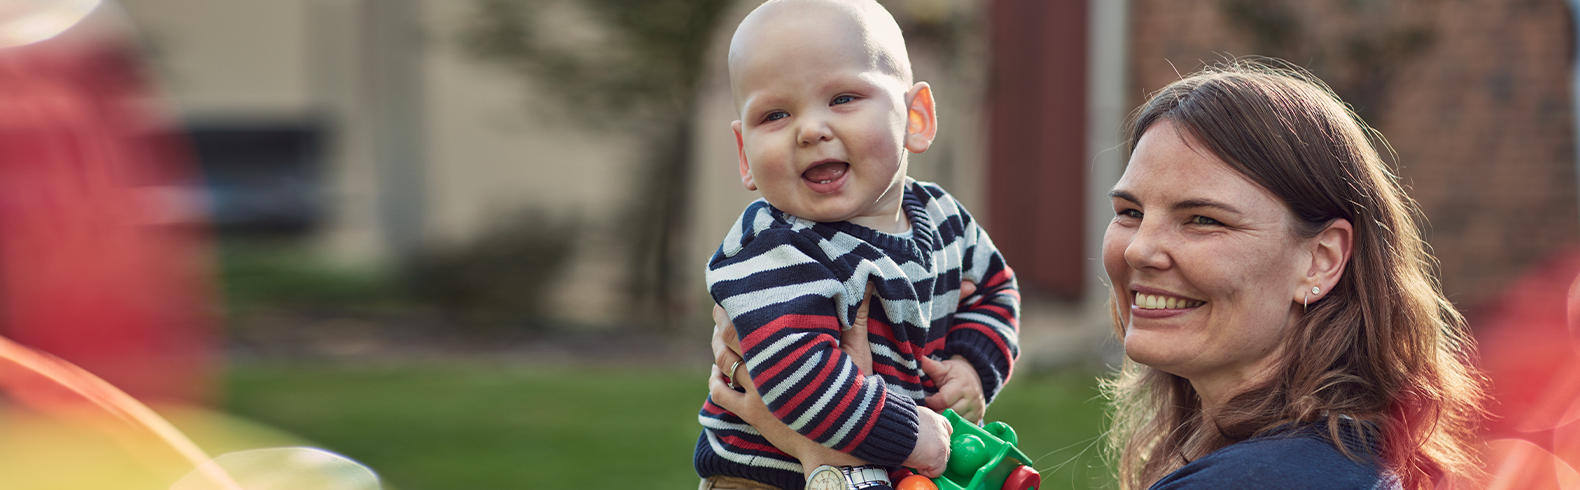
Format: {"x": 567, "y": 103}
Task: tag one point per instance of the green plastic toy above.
{"x": 985, "y": 458}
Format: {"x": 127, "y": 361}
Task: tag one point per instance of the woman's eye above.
{"x": 1203, "y": 220}
{"x": 775, "y": 116}
{"x": 1130, "y": 213}
{"x": 843, "y": 99}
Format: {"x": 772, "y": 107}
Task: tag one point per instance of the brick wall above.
{"x": 1472, "y": 94}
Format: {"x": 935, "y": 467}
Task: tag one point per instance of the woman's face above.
{"x": 1204, "y": 264}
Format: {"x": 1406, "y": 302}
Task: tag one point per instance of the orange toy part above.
{"x": 916, "y": 482}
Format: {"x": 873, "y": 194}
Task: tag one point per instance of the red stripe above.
{"x": 829, "y": 365}
{"x": 1001, "y": 277}
{"x": 889, "y": 370}
{"x": 738, "y": 442}
{"x": 875, "y": 327}
{"x": 996, "y": 310}
{"x": 798, "y": 322}
{"x": 990, "y": 333}
{"x": 840, "y": 408}
{"x": 792, "y": 359}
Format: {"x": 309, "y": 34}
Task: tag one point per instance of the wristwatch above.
{"x": 828, "y": 477}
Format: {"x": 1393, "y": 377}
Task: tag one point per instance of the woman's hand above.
{"x": 931, "y": 455}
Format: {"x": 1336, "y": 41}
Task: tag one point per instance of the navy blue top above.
{"x": 1298, "y": 459}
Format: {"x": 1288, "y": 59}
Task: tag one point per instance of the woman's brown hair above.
{"x": 1383, "y": 352}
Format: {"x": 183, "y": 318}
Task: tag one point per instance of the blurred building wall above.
{"x": 1473, "y": 95}
{"x": 469, "y": 135}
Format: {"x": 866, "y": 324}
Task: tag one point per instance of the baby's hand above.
{"x": 959, "y": 387}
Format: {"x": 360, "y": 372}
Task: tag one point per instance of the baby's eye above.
{"x": 843, "y": 99}
{"x": 1203, "y": 220}
{"x": 775, "y": 116}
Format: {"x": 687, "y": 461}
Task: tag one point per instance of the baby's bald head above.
{"x": 840, "y": 27}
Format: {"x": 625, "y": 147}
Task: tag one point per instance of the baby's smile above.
{"x": 826, "y": 173}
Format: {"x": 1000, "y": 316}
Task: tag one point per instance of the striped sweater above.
{"x": 791, "y": 285}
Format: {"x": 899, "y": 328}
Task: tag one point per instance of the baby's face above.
{"x": 823, "y": 127}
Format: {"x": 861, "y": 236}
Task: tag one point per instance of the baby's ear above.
{"x": 740, "y": 151}
{"x": 921, "y": 117}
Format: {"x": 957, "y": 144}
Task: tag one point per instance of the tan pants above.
{"x": 733, "y": 483}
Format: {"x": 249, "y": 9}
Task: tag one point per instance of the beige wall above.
{"x": 486, "y": 155}
{"x": 495, "y": 152}
{"x": 229, "y": 58}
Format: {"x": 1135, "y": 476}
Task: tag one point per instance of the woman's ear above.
{"x": 921, "y": 118}
{"x": 740, "y": 151}
{"x": 1330, "y": 251}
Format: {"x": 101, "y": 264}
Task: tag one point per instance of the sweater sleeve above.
{"x": 781, "y": 292}
{"x": 986, "y": 328}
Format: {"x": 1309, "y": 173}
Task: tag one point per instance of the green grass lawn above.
{"x": 428, "y": 427}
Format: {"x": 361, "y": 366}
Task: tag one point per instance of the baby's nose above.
{"x": 814, "y": 132}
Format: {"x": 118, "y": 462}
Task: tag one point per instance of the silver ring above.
{"x": 731, "y": 375}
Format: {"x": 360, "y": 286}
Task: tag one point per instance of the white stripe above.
{"x": 887, "y": 352}
{"x": 762, "y": 220}
{"x": 947, "y": 259}
{"x": 741, "y": 304}
{"x": 817, "y": 408}
{"x": 979, "y": 260}
{"x": 913, "y": 271}
{"x": 898, "y": 310}
{"x": 732, "y": 240}
{"x": 773, "y": 349}
{"x": 1009, "y": 333}
{"x": 794, "y": 380}
{"x": 747, "y": 459}
{"x": 841, "y": 244}
{"x": 775, "y": 258}
{"x": 866, "y": 401}
{"x": 720, "y": 424}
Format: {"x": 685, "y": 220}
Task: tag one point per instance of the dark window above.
{"x": 262, "y": 178}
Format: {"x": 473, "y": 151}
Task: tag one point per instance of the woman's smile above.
{"x": 1162, "y": 302}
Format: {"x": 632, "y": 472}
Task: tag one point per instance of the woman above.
{"x": 1276, "y": 299}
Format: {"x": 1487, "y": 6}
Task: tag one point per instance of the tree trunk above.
{"x": 659, "y": 225}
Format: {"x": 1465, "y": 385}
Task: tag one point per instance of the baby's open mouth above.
{"x": 825, "y": 173}
{"x": 1160, "y": 302}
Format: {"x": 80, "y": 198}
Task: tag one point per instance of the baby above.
{"x": 828, "y": 112}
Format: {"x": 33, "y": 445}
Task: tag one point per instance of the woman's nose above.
{"x": 1148, "y": 249}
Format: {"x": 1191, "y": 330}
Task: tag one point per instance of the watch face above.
{"x": 827, "y": 478}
